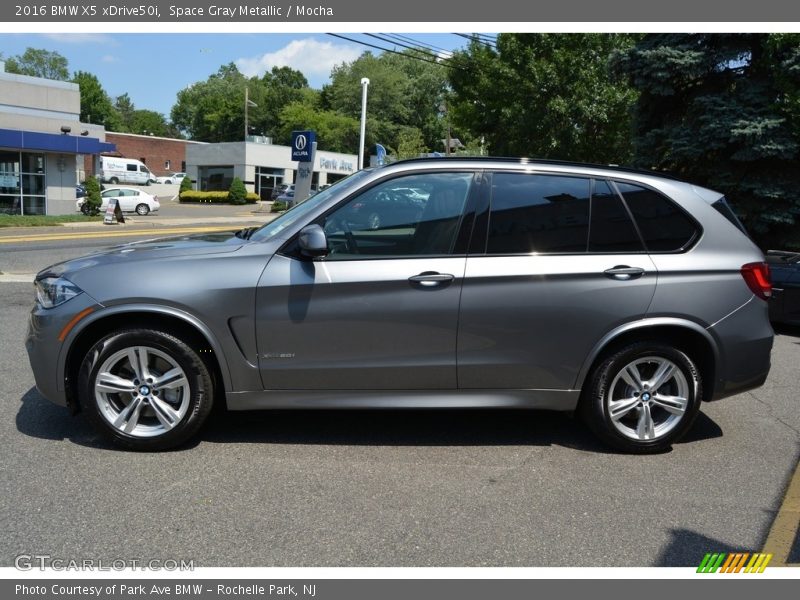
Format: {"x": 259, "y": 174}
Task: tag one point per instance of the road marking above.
{"x": 48, "y": 237}
{"x": 784, "y": 527}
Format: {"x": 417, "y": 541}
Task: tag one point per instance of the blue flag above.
{"x": 381, "y": 152}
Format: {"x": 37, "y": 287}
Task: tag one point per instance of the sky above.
{"x": 153, "y": 68}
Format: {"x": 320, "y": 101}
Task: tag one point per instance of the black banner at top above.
{"x": 407, "y": 11}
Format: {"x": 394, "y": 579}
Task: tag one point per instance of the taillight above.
{"x": 756, "y": 276}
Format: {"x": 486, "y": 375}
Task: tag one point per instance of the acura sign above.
{"x": 301, "y": 145}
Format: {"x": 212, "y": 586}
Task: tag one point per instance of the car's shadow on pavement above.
{"x": 39, "y": 418}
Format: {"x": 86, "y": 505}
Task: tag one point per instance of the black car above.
{"x": 784, "y": 306}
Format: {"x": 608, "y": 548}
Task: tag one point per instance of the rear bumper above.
{"x": 745, "y": 341}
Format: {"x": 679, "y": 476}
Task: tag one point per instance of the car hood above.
{"x": 152, "y": 249}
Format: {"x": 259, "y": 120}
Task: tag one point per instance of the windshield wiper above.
{"x": 245, "y": 233}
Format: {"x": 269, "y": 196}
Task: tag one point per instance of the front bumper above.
{"x": 45, "y": 350}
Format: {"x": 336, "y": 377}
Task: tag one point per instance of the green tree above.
{"x": 125, "y": 108}
{"x": 96, "y": 106}
{"x": 186, "y": 185}
{"x": 335, "y": 132}
{"x": 410, "y": 143}
{"x": 213, "y": 110}
{"x": 272, "y": 92}
{"x": 93, "y": 198}
{"x": 142, "y": 121}
{"x": 237, "y": 194}
{"x": 722, "y": 110}
{"x": 39, "y": 63}
{"x": 403, "y": 92}
{"x": 544, "y": 95}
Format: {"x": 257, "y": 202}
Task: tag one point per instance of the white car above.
{"x": 174, "y": 178}
{"x": 130, "y": 200}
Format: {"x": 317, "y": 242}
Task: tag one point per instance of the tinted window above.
{"x": 612, "y": 229}
{"x": 724, "y": 208}
{"x": 131, "y": 167}
{"x": 664, "y": 226}
{"x": 406, "y": 216}
{"x": 538, "y": 214}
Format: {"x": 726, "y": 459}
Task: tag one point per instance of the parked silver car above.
{"x": 622, "y": 295}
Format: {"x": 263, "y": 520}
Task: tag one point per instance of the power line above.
{"x": 426, "y": 45}
{"x": 416, "y": 49}
{"x": 440, "y": 62}
{"x": 474, "y": 37}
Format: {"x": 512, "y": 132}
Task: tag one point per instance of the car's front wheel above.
{"x": 142, "y": 209}
{"x": 145, "y": 389}
{"x": 643, "y": 398}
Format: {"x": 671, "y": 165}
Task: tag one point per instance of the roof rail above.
{"x": 542, "y": 161}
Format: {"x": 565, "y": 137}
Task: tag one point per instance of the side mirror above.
{"x": 313, "y": 242}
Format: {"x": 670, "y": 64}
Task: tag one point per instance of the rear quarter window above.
{"x": 664, "y": 226}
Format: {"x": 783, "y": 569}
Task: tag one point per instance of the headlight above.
{"x": 52, "y": 291}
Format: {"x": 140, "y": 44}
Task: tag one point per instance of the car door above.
{"x": 380, "y": 311}
{"x": 128, "y": 199}
{"x": 560, "y": 264}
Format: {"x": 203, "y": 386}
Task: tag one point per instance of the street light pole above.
{"x": 247, "y": 104}
{"x": 364, "y": 85}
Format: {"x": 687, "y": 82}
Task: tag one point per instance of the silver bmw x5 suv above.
{"x": 624, "y": 296}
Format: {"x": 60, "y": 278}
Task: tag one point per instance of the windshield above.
{"x": 298, "y": 211}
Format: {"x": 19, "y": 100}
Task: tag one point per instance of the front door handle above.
{"x": 431, "y": 278}
{"x": 624, "y": 272}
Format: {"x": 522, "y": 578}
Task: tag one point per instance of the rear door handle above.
{"x": 431, "y": 278}
{"x": 624, "y": 272}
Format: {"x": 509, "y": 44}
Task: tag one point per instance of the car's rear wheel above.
{"x": 145, "y": 389}
{"x": 643, "y": 398}
{"x": 142, "y": 209}
{"x": 85, "y": 208}
{"x": 113, "y": 181}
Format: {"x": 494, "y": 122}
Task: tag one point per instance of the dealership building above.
{"x": 43, "y": 144}
{"x": 260, "y": 164}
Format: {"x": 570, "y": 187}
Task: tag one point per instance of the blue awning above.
{"x": 52, "y": 142}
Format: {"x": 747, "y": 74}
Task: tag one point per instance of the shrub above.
{"x": 213, "y": 197}
{"x": 93, "y": 199}
{"x": 238, "y": 193}
{"x": 186, "y": 185}
{"x": 278, "y": 206}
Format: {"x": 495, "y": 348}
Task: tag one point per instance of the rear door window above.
{"x": 612, "y": 230}
{"x": 543, "y": 214}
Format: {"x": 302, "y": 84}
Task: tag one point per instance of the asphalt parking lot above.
{"x": 458, "y": 488}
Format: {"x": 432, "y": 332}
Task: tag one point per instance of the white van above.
{"x": 124, "y": 170}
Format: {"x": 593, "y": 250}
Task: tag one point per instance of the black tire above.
{"x": 189, "y": 393}
{"x": 142, "y": 209}
{"x": 147, "y": 182}
{"x": 113, "y": 181}
{"x": 629, "y": 431}
{"x": 85, "y": 208}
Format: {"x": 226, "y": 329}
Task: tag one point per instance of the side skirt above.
{"x": 562, "y": 400}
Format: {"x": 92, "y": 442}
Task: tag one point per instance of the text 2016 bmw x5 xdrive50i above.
{"x": 625, "y": 296}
